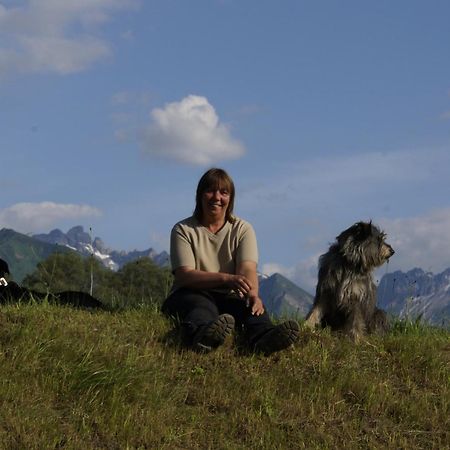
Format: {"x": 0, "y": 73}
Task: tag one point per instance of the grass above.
{"x": 71, "y": 379}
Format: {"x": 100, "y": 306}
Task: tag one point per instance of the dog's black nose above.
{"x": 391, "y": 250}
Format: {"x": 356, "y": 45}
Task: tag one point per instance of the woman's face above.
{"x": 215, "y": 201}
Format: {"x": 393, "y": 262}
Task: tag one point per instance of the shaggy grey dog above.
{"x": 346, "y": 294}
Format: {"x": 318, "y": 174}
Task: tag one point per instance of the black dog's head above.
{"x": 4, "y": 269}
{"x": 363, "y": 245}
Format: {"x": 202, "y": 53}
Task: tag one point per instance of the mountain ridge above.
{"x": 23, "y": 252}
{"x": 78, "y": 239}
{"x": 408, "y": 295}
{"x": 416, "y": 294}
{"x": 280, "y": 295}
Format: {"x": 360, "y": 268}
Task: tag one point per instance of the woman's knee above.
{"x": 183, "y": 301}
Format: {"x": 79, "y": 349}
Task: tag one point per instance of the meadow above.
{"x": 74, "y": 379}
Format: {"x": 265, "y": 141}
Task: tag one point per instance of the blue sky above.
{"x": 324, "y": 113}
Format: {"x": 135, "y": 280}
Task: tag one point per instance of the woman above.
{"x": 214, "y": 257}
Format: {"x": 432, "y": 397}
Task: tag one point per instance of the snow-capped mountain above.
{"x": 417, "y": 294}
{"x": 81, "y": 241}
{"x": 413, "y": 294}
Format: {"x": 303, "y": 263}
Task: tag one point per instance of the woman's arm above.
{"x": 199, "y": 279}
{"x": 248, "y": 270}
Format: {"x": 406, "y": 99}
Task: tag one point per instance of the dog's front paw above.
{"x": 313, "y": 319}
{"x": 355, "y": 336}
{"x": 310, "y": 324}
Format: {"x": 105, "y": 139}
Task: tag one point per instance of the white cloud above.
{"x": 271, "y": 268}
{"x": 422, "y": 241}
{"x": 54, "y": 35}
{"x": 189, "y": 132}
{"x": 34, "y": 217}
{"x": 304, "y": 273}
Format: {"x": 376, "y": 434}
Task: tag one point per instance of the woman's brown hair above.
{"x": 214, "y": 179}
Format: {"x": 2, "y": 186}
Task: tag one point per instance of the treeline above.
{"x": 136, "y": 283}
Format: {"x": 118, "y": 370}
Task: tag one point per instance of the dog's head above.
{"x": 364, "y": 246}
{"x": 4, "y": 269}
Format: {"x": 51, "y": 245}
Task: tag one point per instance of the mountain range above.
{"x": 411, "y": 295}
{"x": 417, "y": 294}
{"x": 23, "y": 253}
{"x": 282, "y": 297}
{"x": 79, "y": 240}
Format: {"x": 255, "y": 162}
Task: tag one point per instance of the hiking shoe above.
{"x": 214, "y": 333}
{"x": 277, "y": 338}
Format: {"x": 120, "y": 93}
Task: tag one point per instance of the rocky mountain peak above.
{"x": 77, "y": 235}
{"x": 415, "y": 293}
{"x": 99, "y": 245}
{"x": 78, "y": 239}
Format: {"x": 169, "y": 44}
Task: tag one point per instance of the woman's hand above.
{"x": 256, "y": 305}
{"x": 240, "y": 284}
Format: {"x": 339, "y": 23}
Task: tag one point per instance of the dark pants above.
{"x": 195, "y": 308}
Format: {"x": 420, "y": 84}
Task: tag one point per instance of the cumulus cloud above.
{"x": 189, "y": 131}
{"x": 54, "y": 36}
{"x": 35, "y": 217}
{"x": 422, "y": 241}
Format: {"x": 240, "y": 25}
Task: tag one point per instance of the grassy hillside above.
{"x": 23, "y": 253}
{"x": 72, "y": 379}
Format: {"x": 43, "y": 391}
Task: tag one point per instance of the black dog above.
{"x": 11, "y": 292}
{"x": 4, "y": 269}
{"x": 346, "y": 294}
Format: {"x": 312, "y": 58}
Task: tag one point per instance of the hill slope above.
{"x": 23, "y": 253}
{"x": 78, "y": 380}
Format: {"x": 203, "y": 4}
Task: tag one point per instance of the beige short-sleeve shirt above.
{"x": 193, "y": 245}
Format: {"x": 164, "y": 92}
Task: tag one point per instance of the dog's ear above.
{"x": 362, "y": 230}
{"x": 368, "y": 228}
